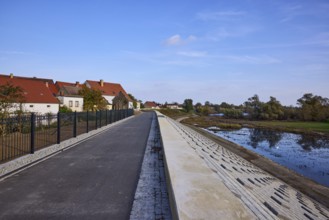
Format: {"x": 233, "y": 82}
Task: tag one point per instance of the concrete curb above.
{"x": 26, "y": 161}
{"x": 195, "y": 191}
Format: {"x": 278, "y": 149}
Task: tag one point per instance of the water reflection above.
{"x": 307, "y": 142}
{"x": 305, "y": 154}
{"x": 258, "y": 135}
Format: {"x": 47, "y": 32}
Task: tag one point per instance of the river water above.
{"x": 305, "y": 154}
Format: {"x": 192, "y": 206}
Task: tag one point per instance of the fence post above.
{"x": 96, "y": 120}
{"x": 32, "y": 132}
{"x": 106, "y": 119}
{"x": 75, "y": 124}
{"x": 58, "y": 128}
{"x": 87, "y": 121}
{"x": 100, "y": 118}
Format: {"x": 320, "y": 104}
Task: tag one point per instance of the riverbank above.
{"x": 311, "y": 128}
{"x": 310, "y": 188}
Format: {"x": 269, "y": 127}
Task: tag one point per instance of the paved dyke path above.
{"x": 94, "y": 180}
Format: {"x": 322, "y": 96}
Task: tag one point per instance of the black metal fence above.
{"x": 22, "y": 135}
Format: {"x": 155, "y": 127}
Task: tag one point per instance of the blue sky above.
{"x": 207, "y": 50}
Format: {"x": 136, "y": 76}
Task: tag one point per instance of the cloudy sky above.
{"x": 207, "y": 50}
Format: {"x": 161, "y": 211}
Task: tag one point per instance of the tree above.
{"x": 10, "y": 97}
{"x": 313, "y": 107}
{"x": 198, "y": 107}
{"x": 64, "y": 109}
{"x": 188, "y": 105}
{"x": 133, "y": 99}
{"x": 92, "y": 99}
{"x": 272, "y": 110}
{"x": 232, "y": 113}
{"x": 254, "y": 107}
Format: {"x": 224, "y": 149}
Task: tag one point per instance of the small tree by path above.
{"x": 10, "y": 97}
{"x": 92, "y": 99}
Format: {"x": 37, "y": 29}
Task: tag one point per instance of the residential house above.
{"x": 68, "y": 95}
{"x": 120, "y": 102}
{"x": 174, "y": 106}
{"x": 110, "y": 91}
{"x": 151, "y": 105}
{"x": 37, "y": 94}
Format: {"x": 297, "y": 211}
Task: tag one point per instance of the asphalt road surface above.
{"x": 95, "y": 180}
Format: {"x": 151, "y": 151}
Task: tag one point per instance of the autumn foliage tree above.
{"x": 92, "y": 99}
{"x": 11, "y": 97}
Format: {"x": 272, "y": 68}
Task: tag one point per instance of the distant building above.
{"x": 38, "y": 94}
{"x": 68, "y": 95}
{"x": 174, "y": 106}
{"x": 109, "y": 90}
{"x": 151, "y": 105}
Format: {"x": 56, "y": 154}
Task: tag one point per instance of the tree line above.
{"x": 309, "y": 108}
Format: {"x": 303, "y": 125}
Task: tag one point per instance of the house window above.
{"x": 76, "y": 103}
{"x": 48, "y": 106}
{"x": 31, "y": 106}
{"x": 70, "y": 103}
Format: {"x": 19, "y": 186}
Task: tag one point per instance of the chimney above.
{"x": 47, "y": 84}
{"x": 101, "y": 82}
{"x": 11, "y": 75}
{"x": 77, "y": 84}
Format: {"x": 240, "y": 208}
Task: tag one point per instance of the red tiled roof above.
{"x": 110, "y": 89}
{"x": 60, "y": 84}
{"x": 50, "y": 82}
{"x": 150, "y": 104}
{"x": 35, "y": 90}
{"x": 68, "y": 88}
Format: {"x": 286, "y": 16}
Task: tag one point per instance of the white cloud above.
{"x": 253, "y": 59}
{"x": 177, "y": 40}
{"x": 230, "y": 32}
{"x": 192, "y": 53}
{"x": 219, "y": 15}
{"x": 174, "y": 40}
{"x": 290, "y": 12}
{"x": 13, "y": 52}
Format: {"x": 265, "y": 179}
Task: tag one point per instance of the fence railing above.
{"x": 23, "y": 135}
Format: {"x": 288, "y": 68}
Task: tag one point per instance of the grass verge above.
{"x": 321, "y": 128}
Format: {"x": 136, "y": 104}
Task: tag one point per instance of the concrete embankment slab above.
{"x": 196, "y": 191}
{"x": 192, "y": 156}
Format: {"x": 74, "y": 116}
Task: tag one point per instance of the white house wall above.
{"x": 66, "y": 101}
{"x": 131, "y": 105}
{"x": 109, "y": 99}
{"x": 41, "y": 108}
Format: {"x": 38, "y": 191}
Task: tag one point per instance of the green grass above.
{"x": 287, "y": 126}
{"x": 206, "y": 122}
{"x": 307, "y": 126}
{"x": 174, "y": 113}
